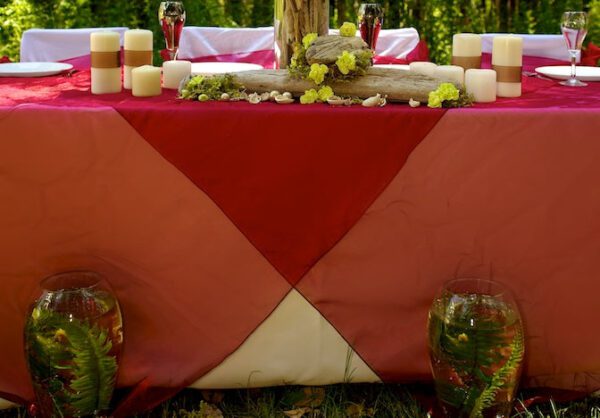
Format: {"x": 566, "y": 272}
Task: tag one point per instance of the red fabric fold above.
{"x": 591, "y": 55}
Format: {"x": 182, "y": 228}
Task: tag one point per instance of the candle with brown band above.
{"x": 138, "y": 52}
{"x": 466, "y": 50}
{"x": 507, "y": 61}
{"x": 105, "y": 48}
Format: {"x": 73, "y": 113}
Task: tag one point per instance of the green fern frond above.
{"x": 72, "y": 358}
{"x": 501, "y": 377}
{"x": 94, "y": 370}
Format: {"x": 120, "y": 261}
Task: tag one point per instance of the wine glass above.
{"x": 171, "y": 16}
{"x": 476, "y": 348}
{"x": 574, "y": 28}
{"x": 370, "y": 19}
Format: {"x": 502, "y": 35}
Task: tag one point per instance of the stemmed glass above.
{"x": 574, "y": 28}
{"x": 370, "y": 19}
{"x": 171, "y": 15}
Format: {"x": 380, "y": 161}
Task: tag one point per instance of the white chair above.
{"x": 544, "y": 46}
{"x": 200, "y": 42}
{"x": 58, "y": 44}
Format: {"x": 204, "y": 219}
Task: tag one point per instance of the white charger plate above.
{"x": 402, "y": 67}
{"x": 33, "y": 69}
{"x": 209, "y": 68}
{"x": 563, "y": 72}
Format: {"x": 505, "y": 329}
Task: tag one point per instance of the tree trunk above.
{"x": 293, "y": 20}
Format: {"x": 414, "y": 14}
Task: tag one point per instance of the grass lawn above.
{"x": 336, "y": 401}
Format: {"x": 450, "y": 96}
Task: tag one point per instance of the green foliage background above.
{"x": 436, "y": 20}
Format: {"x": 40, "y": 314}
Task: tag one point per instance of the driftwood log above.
{"x": 293, "y": 20}
{"x": 326, "y": 49}
{"x": 398, "y": 85}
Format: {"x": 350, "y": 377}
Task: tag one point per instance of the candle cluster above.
{"x": 139, "y": 74}
{"x": 503, "y": 80}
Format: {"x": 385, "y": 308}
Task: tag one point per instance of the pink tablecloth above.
{"x": 205, "y": 216}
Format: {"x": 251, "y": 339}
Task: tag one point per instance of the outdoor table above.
{"x": 205, "y": 216}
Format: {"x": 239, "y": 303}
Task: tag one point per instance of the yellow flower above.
{"x": 309, "y": 39}
{"x": 448, "y": 91}
{"x": 434, "y": 100}
{"x": 325, "y": 93}
{"x": 309, "y": 97}
{"x": 348, "y": 29}
{"x": 346, "y": 62}
{"x": 317, "y": 73}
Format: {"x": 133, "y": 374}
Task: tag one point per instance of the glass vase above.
{"x": 73, "y": 338}
{"x": 295, "y": 19}
{"x": 476, "y": 348}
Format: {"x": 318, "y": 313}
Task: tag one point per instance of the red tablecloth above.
{"x": 205, "y": 215}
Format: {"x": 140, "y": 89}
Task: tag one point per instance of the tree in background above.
{"x": 436, "y": 20}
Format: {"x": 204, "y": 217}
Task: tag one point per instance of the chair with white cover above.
{"x": 543, "y": 46}
{"x": 227, "y": 44}
{"x": 50, "y": 45}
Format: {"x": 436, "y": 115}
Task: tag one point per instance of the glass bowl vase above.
{"x": 73, "y": 337}
{"x": 476, "y": 348}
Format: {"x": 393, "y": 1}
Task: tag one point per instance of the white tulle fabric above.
{"x": 197, "y": 42}
{"x": 58, "y": 44}
{"x": 545, "y": 46}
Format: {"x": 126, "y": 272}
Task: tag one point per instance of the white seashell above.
{"x": 265, "y": 97}
{"x": 254, "y": 98}
{"x": 243, "y": 95}
{"x": 225, "y": 97}
{"x": 338, "y": 101}
{"x": 414, "y": 103}
{"x": 383, "y": 101}
{"x": 274, "y": 94}
{"x": 288, "y": 95}
{"x": 372, "y": 101}
{"x": 281, "y": 99}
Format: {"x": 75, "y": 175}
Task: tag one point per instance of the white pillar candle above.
{"x": 507, "y": 60}
{"x": 138, "y": 52}
{"x": 105, "y": 50}
{"x": 423, "y": 67}
{"x": 466, "y": 50}
{"x": 174, "y": 72}
{"x": 481, "y": 84}
{"x": 452, "y": 73}
{"x": 145, "y": 81}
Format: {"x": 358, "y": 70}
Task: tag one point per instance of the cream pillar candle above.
{"x": 507, "y": 60}
{"x": 481, "y": 84}
{"x": 452, "y": 73}
{"x": 138, "y": 52}
{"x": 145, "y": 81}
{"x": 466, "y": 50}
{"x": 423, "y": 67}
{"x": 174, "y": 72}
{"x": 105, "y": 50}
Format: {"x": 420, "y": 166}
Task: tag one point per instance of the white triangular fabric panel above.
{"x": 295, "y": 345}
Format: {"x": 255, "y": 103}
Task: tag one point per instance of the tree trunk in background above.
{"x": 295, "y": 19}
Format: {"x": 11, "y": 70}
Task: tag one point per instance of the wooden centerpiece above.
{"x": 336, "y": 67}
{"x": 295, "y": 19}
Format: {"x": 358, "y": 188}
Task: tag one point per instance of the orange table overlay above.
{"x": 365, "y": 212}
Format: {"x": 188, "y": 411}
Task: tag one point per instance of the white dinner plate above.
{"x": 209, "y": 68}
{"x": 393, "y": 66}
{"x": 563, "y": 72}
{"x": 33, "y": 69}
